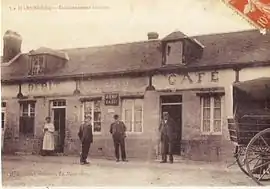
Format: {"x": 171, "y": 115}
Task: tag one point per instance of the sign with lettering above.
{"x": 187, "y": 78}
{"x": 112, "y": 99}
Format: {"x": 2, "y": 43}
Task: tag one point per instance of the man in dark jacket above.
{"x": 86, "y": 136}
{"x": 118, "y": 131}
{"x": 167, "y": 131}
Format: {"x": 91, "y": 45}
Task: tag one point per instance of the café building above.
{"x": 191, "y": 78}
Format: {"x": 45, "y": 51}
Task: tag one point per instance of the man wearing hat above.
{"x": 86, "y": 136}
{"x": 167, "y": 132}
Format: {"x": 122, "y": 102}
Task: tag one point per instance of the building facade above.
{"x": 189, "y": 77}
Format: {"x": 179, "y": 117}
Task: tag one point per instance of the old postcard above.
{"x": 135, "y": 93}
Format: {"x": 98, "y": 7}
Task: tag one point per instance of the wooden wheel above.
{"x": 257, "y": 158}
{"x": 239, "y": 154}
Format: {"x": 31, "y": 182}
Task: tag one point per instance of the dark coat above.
{"x": 85, "y": 133}
{"x": 118, "y": 129}
{"x": 167, "y": 130}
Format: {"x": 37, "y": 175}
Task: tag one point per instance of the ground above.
{"x": 65, "y": 171}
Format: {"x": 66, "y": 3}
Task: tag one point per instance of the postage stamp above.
{"x": 257, "y": 12}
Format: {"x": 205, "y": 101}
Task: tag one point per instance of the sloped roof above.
{"x": 45, "y": 50}
{"x": 220, "y": 49}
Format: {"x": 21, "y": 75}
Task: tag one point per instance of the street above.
{"x": 65, "y": 171}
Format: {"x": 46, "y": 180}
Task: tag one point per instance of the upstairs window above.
{"x": 37, "y": 63}
{"x": 174, "y": 52}
{"x": 27, "y": 117}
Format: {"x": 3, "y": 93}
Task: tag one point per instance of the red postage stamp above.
{"x": 256, "y": 12}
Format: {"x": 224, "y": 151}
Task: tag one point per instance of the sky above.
{"x": 104, "y": 22}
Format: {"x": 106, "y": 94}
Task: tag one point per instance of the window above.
{"x": 211, "y": 109}
{"x": 93, "y": 109}
{"x": 37, "y": 65}
{"x": 27, "y": 117}
{"x": 59, "y": 103}
{"x": 3, "y": 115}
{"x": 132, "y": 112}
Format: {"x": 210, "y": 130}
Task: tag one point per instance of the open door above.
{"x": 173, "y": 105}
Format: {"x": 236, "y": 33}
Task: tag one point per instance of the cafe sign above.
{"x": 189, "y": 78}
{"x": 112, "y": 99}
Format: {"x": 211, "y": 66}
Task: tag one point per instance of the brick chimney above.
{"x": 152, "y": 35}
{"x": 12, "y": 45}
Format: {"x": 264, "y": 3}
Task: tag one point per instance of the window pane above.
{"x": 128, "y": 103}
{"x": 3, "y": 120}
{"x": 128, "y": 120}
{"x": 32, "y": 108}
{"x": 206, "y": 113}
{"x": 25, "y": 108}
{"x": 206, "y": 102}
{"x": 97, "y": 126}
{"x": 206, "y": 126}
{"x": 217, "y": 126}
{"x": 138, "y": 115}
{"x": 217, "y": 101}
{"x": 4, "y": 104}
{"x": 97, "y": 116}
{"x": 138, "y": 126}
{"x": 138, "y": 103}
{"x": 97, "y": 106}
{"x": 88, "y": 108}
{"x": 217, "y": 113}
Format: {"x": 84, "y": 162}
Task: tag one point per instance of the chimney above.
{"x": 152, "y": 35}
{"x": 12, "y": 45}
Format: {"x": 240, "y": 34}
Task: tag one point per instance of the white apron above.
{"x": 48, "y": 139}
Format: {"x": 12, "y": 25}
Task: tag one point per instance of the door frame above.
{"x": 52, "y": 108}
{"x": 172, "y": 104}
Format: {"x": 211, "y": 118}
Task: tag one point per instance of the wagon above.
{"x": 249, "y": 128}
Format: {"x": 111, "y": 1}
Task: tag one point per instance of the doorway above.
{"x": 59, "y": 120}
{"x": 173, "y": 105}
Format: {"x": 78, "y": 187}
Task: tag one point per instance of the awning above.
{"x": 257, "y": 88}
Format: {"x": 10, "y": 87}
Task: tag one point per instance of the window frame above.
{"x": 212, "y": 107}
{"x": 3, "y": 110}
{"x": 28, "y": 103}
{"x": 133, "y": 115}
{"x": 92, "y": 114}
{"x": 37, "y": 58}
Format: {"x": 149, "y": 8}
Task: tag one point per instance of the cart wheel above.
{"x": 239, "y": 154}
{"x": 257, "y": 158}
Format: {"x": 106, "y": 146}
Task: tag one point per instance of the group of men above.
{"x": 118, "y": 131}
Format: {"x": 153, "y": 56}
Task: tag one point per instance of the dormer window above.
{"x": 45, "y": 61}
{"x": 37, "y": 65}
{"x": 179, "y": 49}
{"x": 174, "y": 52}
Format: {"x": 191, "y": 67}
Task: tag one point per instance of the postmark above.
{"x": 256, "y": 12}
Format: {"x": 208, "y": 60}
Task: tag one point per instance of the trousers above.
{"x": 85, "y": 150}
{"x": 119, "y": 142}
{"x": 166, "y": 149}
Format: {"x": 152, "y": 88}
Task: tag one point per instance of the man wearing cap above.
{"x": 118, "y": 131}
{"x": 167, "y": 129}
{"x": 86, "y": 136}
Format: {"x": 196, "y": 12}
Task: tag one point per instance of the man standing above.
{"x": 118, "y": 131}
{"x": 167, "y": 128}
{"x": 86, "y": 136}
